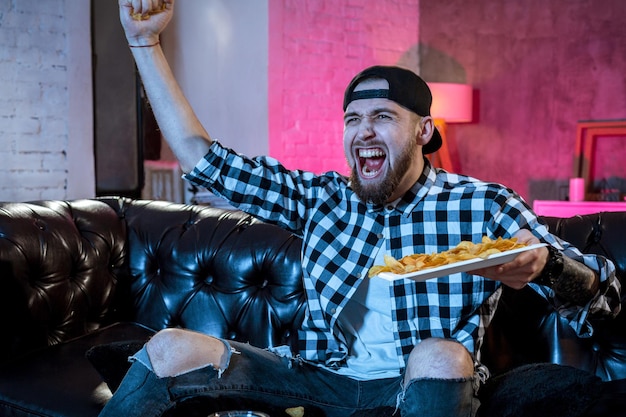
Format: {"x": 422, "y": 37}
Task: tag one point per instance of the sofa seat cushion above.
{"x": 60, "y": 380}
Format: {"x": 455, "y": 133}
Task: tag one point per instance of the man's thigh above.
{"x": 260, "y": 378}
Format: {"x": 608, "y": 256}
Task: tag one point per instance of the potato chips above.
{"x": 146, "y": 16}
{"x": 461, "y": 252}
{"x": 295, "y": 411}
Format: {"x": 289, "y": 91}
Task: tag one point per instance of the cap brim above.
{"x": 434, "y": 144}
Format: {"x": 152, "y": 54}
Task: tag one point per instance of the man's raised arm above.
{"x": 143, "y": 21}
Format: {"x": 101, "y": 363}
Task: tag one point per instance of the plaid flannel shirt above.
{"x": 341, "y": 234}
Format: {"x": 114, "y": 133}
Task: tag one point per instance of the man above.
{"x": 364, "y": 342}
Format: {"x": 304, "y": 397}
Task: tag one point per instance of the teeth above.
{"x": 367, "y": 173}
{"x": 370, "y": 153}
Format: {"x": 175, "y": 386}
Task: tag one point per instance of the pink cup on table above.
{"x": 577, "y": 189}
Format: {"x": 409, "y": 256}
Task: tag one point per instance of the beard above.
{"x": 378, "y": 193}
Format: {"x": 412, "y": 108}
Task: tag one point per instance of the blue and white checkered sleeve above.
{"x": 260, "y": 186}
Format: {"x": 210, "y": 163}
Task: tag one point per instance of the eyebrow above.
{"x": 372, "y": 112}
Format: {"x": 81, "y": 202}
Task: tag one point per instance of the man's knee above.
{"x": 439, "y": 358}
{"x": 173, "y": 352}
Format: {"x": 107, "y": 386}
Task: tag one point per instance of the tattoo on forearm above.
{"x": 577, "y": 283}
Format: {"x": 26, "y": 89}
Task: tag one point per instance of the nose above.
{"x": 366, "y": 129}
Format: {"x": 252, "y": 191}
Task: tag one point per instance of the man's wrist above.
{"x": 142, "y": 42}
{"x": 552, "y": 269}
{"x": 570, "y": 280}
{"x": 150, "y": 45}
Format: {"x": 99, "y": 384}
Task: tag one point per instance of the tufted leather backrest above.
{"x": 217, "y": 271}
{"x": 59, "y": 266}
{"x": 70, "y": 267}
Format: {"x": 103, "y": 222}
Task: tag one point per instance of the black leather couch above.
{"x": 81, "y": 275}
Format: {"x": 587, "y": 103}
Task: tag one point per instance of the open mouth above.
{"x": 371, "y": 162}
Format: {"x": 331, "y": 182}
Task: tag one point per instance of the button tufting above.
{"x": 40, "y": 225}
{"x": 245, "y": 223}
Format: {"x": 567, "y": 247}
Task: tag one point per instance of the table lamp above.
{"x": 452, "y": 103}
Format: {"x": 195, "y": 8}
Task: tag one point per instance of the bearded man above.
{"x": 365, "y": 342}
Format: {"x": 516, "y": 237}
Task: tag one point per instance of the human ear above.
{"x": 426, "y": 128}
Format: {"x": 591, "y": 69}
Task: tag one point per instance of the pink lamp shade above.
{"x": 451, "y": 102}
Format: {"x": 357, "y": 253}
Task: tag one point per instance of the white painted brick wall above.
{"x": 33, "y": 100}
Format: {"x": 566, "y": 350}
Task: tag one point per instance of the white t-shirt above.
{"x": 366, "y": 323}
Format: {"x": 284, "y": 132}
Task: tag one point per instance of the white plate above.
{"x": 461, "y": 266}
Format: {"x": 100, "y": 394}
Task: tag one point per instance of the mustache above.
{"x": 368, "y": 143}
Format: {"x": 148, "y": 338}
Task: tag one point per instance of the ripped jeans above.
{"x": 257, "y": 379}
{"x": 254, "y": 379}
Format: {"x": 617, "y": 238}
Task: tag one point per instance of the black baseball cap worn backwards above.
{"x": 405, "y": 88}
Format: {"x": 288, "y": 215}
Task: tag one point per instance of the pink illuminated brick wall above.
{"x": 316, "y": 47}
{"x": 538, "y": 67}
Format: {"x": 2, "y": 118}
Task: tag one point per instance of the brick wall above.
{"x": 35, "y": 100}
{"x": 316, "y": 47}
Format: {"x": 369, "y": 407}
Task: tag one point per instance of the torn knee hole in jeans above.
{"x": 165, "y": 362}
{"x": 221, "y": 367}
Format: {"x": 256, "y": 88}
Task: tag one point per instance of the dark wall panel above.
{"x": 118, "y": 144}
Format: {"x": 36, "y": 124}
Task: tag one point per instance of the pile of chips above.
{"x": 461, "y": 252}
